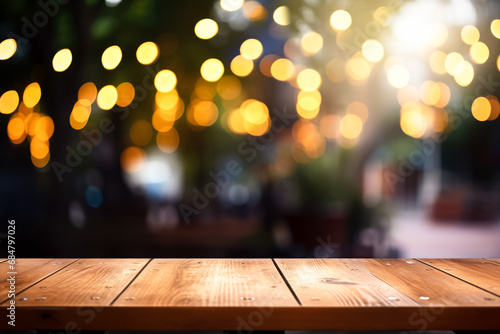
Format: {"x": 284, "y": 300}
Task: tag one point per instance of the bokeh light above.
{"x": 481, "y": 109}
{"x": 147, "y": 53}
{"x": 206, "y": 29}
{"x": 241, "y": 66}
{"x": 205, "y": 113}
{"x": 340, "y": 20}
{"x": 412, "y": 120}
{"x": 9, "y": 102}
{"x": 495, "y": 28}
{"x": 30, "y": 123}
{"x": 373, "y": 50}
{"x": 236, "y": 121}
{"x": 32, "y": 95}
{"x": 358, "y": 68}
{"x": 231, "y": 5}
{"x": 111, "y": 57}
{"x": 162, "y": 121}
{"x": 479, "y": 53}
{"x": 62, "y": 60}
{"x": 7, "y": 48}
{"x": 309, "y": 80}
{"x": 444, "y": 96}
{"x": 132, "y": 159}
{"x": 430, "y": 92}
{"x": 251, "y": 49}
{"x": 167, "y": 101}
{"x": 254, "y": 111}
{"x": 254, "y": 11}
{"x": 204, "y": 90}
{"x": 79, "y": 116}
{"x": 437, "y": 61}
{"x": 311, "y": 43}
{"x": 165, "y": 81}
{"x": 107, "y": 97}
{"x": 465, "y": 73}
{"x": 282, "y": 69}
{"x": 212, "y": 69}
{"x": 256, "y": 117}
{"x": 39, "y": 152}
{"x": 495, "y": 107}
{"x": 38, "y": 148}
{"x": 126, "y": 94}
{"x": 454, "y": 63}
{"x": 40, "y": 163}
{"x": 439, "y": 120}
{"x": 359, "y": 109}
{"x": 329, "y": 126}
{"x": 469, "y": 34}
{"x": 310, "y": 143}
{"x": 265, "y": 64}
{"x": 16, "y": 129}
{"x": 229, "y": 87}
{"x": 44, "y": 128}
{"x": 168, "y": 141}
{"x": 350, "y": 126}
{"x": 308, "y": 104}
{"x": 281, "y": 16}
{"x": 87, "y": 93}
{"x": 141, "y": 132}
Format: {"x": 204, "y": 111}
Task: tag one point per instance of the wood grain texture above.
{"x": 29, "y": 272}
{"x": 338, "y": 282}
{"x": 427, "y": 285}
{"x": 494, "y": 260}
{"x": 208, "y": 282}
{"x": 86, "y": 282}
{"x": 479, "y": 272}
{"x": 240, "y": 295}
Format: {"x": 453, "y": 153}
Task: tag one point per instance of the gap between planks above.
{"x": 459, "y": 278}
{"x": 38, "y": 281}
{"x": 286, "y": 282}
{"x": 131, "y": 281}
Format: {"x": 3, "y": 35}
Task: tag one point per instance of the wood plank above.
{"x": 86, "y": 282}
{"x": 482, "y": 273}
{"x": 338, "y": 282}
{"x": 208, "y": 282}
{"x": 29, "y": 272}
{"x": 427, "y": 285}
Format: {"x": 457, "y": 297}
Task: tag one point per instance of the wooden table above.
{"x": 254, "y": 294}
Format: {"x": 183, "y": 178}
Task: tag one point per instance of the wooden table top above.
{"x": 253, "y": 294}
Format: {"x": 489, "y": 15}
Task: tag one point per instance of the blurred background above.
{"x": 232, "y": 128}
